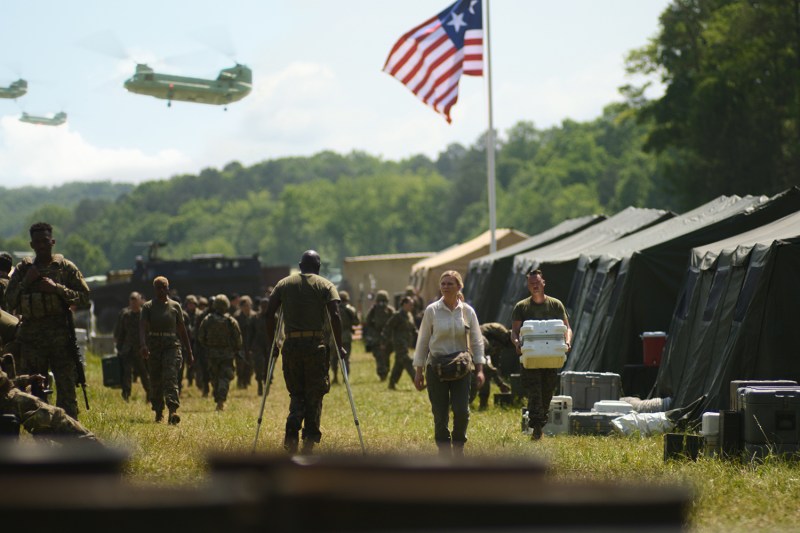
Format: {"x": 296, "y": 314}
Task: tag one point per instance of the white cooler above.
{"x": 612, "y": 406}
{"x": 543, "y": 344}
{"x": 558, "y": 416}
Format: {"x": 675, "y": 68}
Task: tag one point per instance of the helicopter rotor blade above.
{"x": 105, "y": 43}
{"x": 217, "y": 38}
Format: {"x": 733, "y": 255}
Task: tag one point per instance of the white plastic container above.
{"x": 612, "y": 406}
{"x": 710, "y": 424}
{"x": 558, "y": 416}
{"x": 543, "y": 344}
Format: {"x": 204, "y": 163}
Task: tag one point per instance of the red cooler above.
{"x": 653, "y": 346}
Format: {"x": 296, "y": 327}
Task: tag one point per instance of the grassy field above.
{"x": 728, "y": 495}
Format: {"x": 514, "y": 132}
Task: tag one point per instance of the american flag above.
{"x": 430, "y": 58}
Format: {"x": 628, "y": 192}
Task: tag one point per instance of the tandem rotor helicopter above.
{"x": 15, "y": 89}
{"x": 231, "y": 85}
{"x": 56, "y": 120}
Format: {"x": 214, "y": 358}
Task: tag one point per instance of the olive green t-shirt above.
{"x": 162, "y": 317}
{"x": 303, "y": 300}
{"x": 550, "y": 309}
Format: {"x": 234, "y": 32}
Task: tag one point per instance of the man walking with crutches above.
{"x": 303, "y": 299}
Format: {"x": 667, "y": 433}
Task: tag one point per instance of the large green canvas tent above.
{"x": 559, "y": 259}
{"x": 486, "y": 275}
{"x": 736, "y": 315}
{"x": 648, "y": 282}
{"x": 597, "y": 279}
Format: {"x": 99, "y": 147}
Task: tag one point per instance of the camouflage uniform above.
{"x": 220, "y": 335}
{"x": 164, "y": 363}
{"x": 306, "y": 360}
{"x": 349, "y": 318}
{"x": 539, "y": 383}
{"x": 126, "y": 334}
{"x": 490, "y": 374}
{"x": 33, "y": 414}
{"x": 244, "y": 359}
{"x": 401, "y": 331}
{"x": 44, "y": 331}
{"x": 201, "y": 371}
{"x": 376, "y": 319}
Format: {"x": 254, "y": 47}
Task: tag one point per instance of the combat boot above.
{"x": 159, "y": 416}
{"x": 536, "y": 432}
{"x": 220, "y": 406}
{"x": 458, "y": 449}
{"x": 308, "y": 447}
{"x": 290, "y": 443}
{"x": 174, "y": 418}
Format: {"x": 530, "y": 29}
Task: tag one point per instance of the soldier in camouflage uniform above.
{"x": 350, "y": 320}
{"x": 401, "y": 332}
{"x": 538, "y": 383}
{"x": 259, "y": 347}
{"x": 6, "y": 262}
{"x": 201, "y": 373}
{"x": 192, "y": 316}
{"x": 160, "y": 327}
{"x": 126, "y": 336}
{"x": 220, "y": 335}
{"x": 244, "y": 360}
{"x": 310, "y": 305}
{"x": 378, "y": 315}
{"x": 490, "y": 374}
{"x": 39, "y": 418}
{"x": 41, "y": 292}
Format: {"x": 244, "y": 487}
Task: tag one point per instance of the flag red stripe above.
{"x": 421, "y": 63}
{"x": 431, "y": 68}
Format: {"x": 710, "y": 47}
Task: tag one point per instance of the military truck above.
{"x": 201, "y": 275}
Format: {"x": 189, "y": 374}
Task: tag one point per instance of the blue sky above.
{"x": 317, "y": 80}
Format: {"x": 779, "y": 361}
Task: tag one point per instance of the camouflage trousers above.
{"x": 220, "y": 369}
{"x": 347, "y": 345}
{"x": 538, "y": 385}
{"x": 305, "y": 369}
{"x": 39, "y": 418}
{"x": 382, "y": 352}
{"x": 402, "y": 361}
{"x": 244, "y": 369}
{"x": 164, "y": 366}
{"x": 43, "y": 348}
{"x": 132, "y": 362}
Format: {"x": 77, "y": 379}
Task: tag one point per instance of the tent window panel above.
{"x": 746, "y": 294}
{"x": 615, "y": 294}
{"x": 686, "y": 296}
{"x": 717, "y": 288}
{"x": 574, "y": 290}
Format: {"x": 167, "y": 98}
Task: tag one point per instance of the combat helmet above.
{"x": 344, "y": 296}
{"x": 382, "y": 296}
{"x": 221, "y": 304}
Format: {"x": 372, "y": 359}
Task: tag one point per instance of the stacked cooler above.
{"x": 763, "y": 418}
{"x": 591, "y": 393}
{"x": 543, "y": 344}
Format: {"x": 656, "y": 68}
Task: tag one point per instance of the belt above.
{"x": 298, "y": 334}
{"x": 161, "y": 334}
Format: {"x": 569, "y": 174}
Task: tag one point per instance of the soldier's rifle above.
{"x": 75, "y": 352}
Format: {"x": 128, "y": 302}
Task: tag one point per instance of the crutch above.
{"x": 347, "y": 384}
{"x": 270, "y": 370}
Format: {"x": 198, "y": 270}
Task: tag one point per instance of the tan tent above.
{"x": 425, "y": 274}
{"x": 367, "y": 274}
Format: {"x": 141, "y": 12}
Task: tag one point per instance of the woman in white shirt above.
{"x": 447, "y": 325}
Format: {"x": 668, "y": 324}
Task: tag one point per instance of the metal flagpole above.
{"x": 490, "y": 144}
